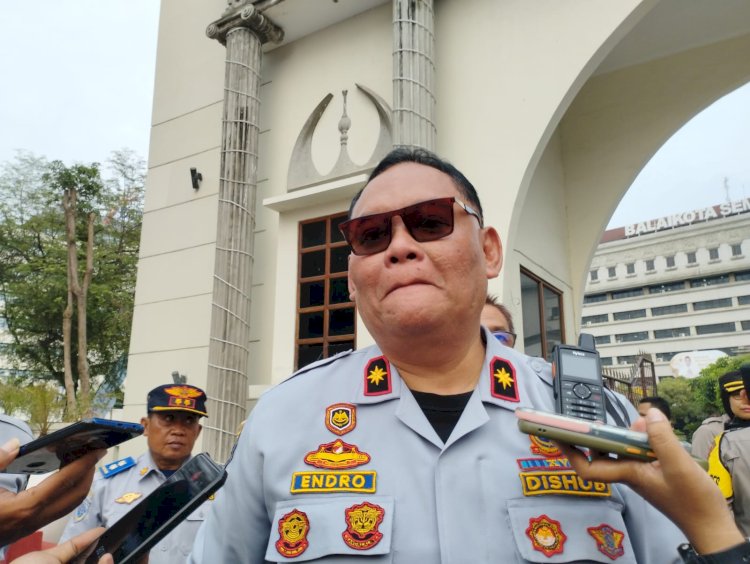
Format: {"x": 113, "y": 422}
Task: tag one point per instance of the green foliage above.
{"x": 39, "y": 403}
{"x": 692, "y": 400}
{"x": 33, "y": 262}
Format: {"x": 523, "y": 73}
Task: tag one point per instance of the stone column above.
{"x": 242, "y": 29}
{"x": 413, "y": 74}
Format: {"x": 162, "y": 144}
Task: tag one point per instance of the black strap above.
{"x": 609, "y": 400}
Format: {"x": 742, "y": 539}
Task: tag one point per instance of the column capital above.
{"x": 247, "y": 16}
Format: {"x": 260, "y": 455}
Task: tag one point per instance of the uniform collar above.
{"x": 147, "y": 466}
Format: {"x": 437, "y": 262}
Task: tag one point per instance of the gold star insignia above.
{"x": 504, "y": 378}
{"x": 376, "y": 375}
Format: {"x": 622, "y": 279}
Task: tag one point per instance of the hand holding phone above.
{"x": 50, "y": 452}
{"x": 159, "y": 513}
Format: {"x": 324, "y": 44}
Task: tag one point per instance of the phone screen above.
{"x": 160, "y": 512}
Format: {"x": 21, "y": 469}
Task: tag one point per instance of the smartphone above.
{"x": 48, "y": 453}
{"x": 577, "y": 381}
{"x": 162, "y": 510}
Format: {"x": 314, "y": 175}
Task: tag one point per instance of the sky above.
{"x": 78, "y": 83}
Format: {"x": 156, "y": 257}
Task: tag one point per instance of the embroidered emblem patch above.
{"x": 337, "y": 455}
{"x": 293, "y": 529}
{"x": 503, "y": 377}
{"x": 324, "y": 482}
{"x": 128, "y": 497}
{"x": 82, "y": 510}
{"x": 113, "y": 468}
{"x": 608, "y": 540}
{"x": 182, "y": 396}
{"x": 565, "y": 482}
{"x": 341, "y": 418}
{"x": 546, "y": 535}
{"x": 378, "y": 377}
{"x": 545, "y": 447}
{"x": 362, "y": 523}
{"x": 533, "y": 464}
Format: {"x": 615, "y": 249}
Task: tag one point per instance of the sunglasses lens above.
{"x": 508, "y": 339}
{"x": 431, "y": 220}
{"x": 368, "y": 235}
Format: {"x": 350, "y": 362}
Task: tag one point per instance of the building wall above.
{"x": 599, "y": 316}
{"x": 547, "y": 141}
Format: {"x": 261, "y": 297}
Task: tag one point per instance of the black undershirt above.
{"x": 443, "y": 412}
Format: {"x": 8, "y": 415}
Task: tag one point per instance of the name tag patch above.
{"x": 322, "y": 482}
{"x": 561, "y": 482}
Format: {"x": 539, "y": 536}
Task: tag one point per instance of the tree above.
{"x": 686, "y": 410}
{"x": 37, "y": 288}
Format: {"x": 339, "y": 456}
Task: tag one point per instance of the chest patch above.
{"x": 546, "y": 535}
{"x": 293, "y": 529}
{"x": 337, "y": 455}
{"x": 341, "y": 418}
{"x": 362, "y": 522}
{"x": 128, "y": 497}
{"x": 608, "y": 540}
{"x": 328, "y": 482}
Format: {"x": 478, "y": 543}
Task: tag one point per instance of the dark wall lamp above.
{"x": 195, "y": 178}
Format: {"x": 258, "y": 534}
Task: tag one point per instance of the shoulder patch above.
{"x": 378, "y": 377}
{"x": 503, "y": 380}
{"x": 113, "y": 468}
{"x": 82, "y": 510}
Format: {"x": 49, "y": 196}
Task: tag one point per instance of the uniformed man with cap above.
{"x": 729, "y": 461}
{"x": 171, "y": 429}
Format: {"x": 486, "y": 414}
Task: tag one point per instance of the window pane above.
{"x": 594, "y": 298}
{"x": 712, "y": 304}
{"x": 670, "y": 261}
{"x": 743, "y": 300}
{"x": 736, "y": 250}
{"x": 311, "y": 325}
{"x": 341, "y": 322}
{"x": 668, "y": 310}
{"x": 715, "y": 328}
{"x": 338, "y": 291}
{"x": 672, "y": 333}
{"x": 343, "y": 346}
{"x": 631, "y": 337}
{"x": 745, "y": 325}
{"x": 308, "y": 353}
{"x": 532, "y": 337}
{"x": 336, "y": 235}
{"x": 313, "y": 234}
{"x": 339, "y": 259}
{"x": 603, "y": 339}
{"x": 630, "y": 268}
{"x": 713, "y": 254}
{"x": 627, "y": 293}
{"x": 312, "y": 294}
{"x": 591, "y": 319}
{"x": 709, "y": 281}
{"x": 632, "y": 314}
{"x": 611, "y": 272}
{"x": 552, "y": 319}
{"x": 650, "y": 264}
{"x": 594, "y": 275}
{"x": 740, "y": 276}
{"x": 606, "y": 360}
{"x": 669, "y": 287}
{"x": 313, "y": 264}
{"x": 691, "y": 258}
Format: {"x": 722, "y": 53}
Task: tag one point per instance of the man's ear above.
{"x": 145, "y": 422}
{"x": 493, "y": 251}
{"x": 200, "y": 428}
{"x": 351, "y": 286}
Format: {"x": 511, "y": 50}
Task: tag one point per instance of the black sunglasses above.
{"x": 425, "y": 221}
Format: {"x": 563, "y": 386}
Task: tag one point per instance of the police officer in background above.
{"x": 409, "y": 451}
{"x": 171, "y": 429}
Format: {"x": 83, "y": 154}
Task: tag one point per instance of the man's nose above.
{"x": 403, "y": 246}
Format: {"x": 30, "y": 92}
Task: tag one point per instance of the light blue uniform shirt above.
{"x": 488, "y": 494}
{"x": 11, "y": 427}
{"x": 111, "y": 498}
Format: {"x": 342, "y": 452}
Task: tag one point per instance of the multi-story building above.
{"x": 672, "y": 285}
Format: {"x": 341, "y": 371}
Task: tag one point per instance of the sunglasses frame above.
{"x": 401, "y": 212}
{"x": 505, "y": 333}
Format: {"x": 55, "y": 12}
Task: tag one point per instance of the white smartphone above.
{"x": 589, "y": 434}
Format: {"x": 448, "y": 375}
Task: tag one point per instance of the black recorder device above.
{"x": 577, "y": 380}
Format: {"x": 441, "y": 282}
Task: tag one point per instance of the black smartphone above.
{"x": 577, "y": 381}
{"x": 48, "y": 453}
{"x": 158, "y": 513}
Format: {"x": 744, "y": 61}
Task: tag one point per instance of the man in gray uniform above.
{"x": 408, "y": 451}
{"x": 171, "y": 429}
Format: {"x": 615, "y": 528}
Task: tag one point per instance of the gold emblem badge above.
{"x": 143, "y": 471}
{"x": 337, "y": 455}
{"x": 293, "y": 529}
{"x": 182, "y": 396}
{"x": 378, "y": 377}
{"x": 128, "y": 497}
{"x": 362, "y": 523}
{"x": 503, "y": 376}
{"x": 546, "y": 535}
{"x": 341, "y": 418}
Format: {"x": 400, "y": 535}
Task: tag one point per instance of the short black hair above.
{"x": 659, "y": 403}
{"x": 424, "y": 157}
{"x": 491, "y": 300}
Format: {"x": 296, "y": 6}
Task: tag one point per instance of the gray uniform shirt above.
{"x": 111, "y": 498}
{"x": 704, "y": 438}
{"x": 488, "y": 494}
{"x": 11, "y": 427}
{"x": 734, "y": 451}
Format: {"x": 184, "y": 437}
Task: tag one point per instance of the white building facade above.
{"x": 672, "y": 285}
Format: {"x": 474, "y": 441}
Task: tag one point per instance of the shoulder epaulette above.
{"x": 320, "y": 363}
{"x": 113, "y": 468}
